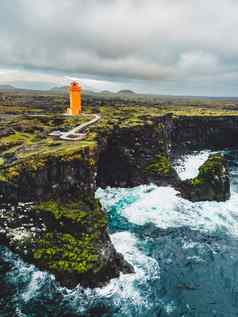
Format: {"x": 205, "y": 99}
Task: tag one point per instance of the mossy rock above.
{"x": 73, "y": 241}
{"x": 215, "y": 165}
{"x": 61, "y": 253}
{"x": 160, "y": 165}
{"x": 212, "y": 182}
{"x": 82, "y": 216}
{"x": 76, "y": 247}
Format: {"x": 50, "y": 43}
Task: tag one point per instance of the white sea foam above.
{"x": 187, "y": 166}
{"x": 122, "y": 291}
{"x": 145, "y": 267}
{"x": 38, "y": 278}
{"x": 25, "y": 274}
{"x": 163, "y": 207}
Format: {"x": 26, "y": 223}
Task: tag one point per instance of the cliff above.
{"x": 49, "y": 214}
{"x": 54, "y": 220}
{"x": 135, "y": 152}
{"x": 199, "y": 132}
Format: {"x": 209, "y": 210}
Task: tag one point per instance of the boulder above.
{"x": 212, "y": 182}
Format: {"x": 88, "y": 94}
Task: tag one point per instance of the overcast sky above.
{"x": 157, "y": 46}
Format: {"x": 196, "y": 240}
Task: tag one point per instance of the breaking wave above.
{"x": 185, "y": 257}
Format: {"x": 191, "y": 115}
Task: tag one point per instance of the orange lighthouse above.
{"x": 75, "y": 99}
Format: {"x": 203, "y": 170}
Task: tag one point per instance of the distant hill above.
{"x": 106, "y": 92}
{"x": 62, "y": 89}
{"x": 10, "y": 88}
{"x": 7, "y": 87}
{"x": 126, "y": 92}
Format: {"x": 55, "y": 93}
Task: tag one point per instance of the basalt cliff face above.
{"x": 199, "y": 132}
{"x": 49, "y": 214}
{"x": 130, "y": 155}
{"x": 134, "y": 154}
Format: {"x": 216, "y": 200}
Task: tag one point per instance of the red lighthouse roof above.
{"x": 75, "y": 86}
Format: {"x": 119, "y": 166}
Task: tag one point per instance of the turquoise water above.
{"x": 185, "y": 256}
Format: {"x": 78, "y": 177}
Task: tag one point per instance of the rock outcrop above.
{"x": 67, "y": 239}
{"x": 135, "y": 153}
{"x": 212, "y": 182}
{"x": 50, "y": 217}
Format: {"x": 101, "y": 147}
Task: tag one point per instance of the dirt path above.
{"x": 73, "y": 134}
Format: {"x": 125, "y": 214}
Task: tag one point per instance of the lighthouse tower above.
{"x": 75, "y": 99}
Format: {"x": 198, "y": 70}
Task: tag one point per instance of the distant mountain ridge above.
{"x": 65, "y": 89}
{"x": 7, "y": 87}
{"x": 126, "y": 92}
{"x": 59, "y": 89}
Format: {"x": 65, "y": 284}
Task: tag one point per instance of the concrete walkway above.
{"x": 74, "y": 135}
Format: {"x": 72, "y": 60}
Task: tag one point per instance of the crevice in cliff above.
{"x": 113, "y": 167}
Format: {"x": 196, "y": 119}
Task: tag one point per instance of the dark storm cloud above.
{"x": 169, "y": 41}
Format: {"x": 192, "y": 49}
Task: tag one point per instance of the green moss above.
{"x": 31, "y": 165}
{"x": 11, "y": 173}
{"x": 67, "y": 247}
{"x": 27, "y": 138}
{"x": 64, "y": 252}
{"x": 160, "y": 165}
{"x": 59, "y": 211}
{"x": 82, "y": 212}
{"x": 197, "y": 181}
{"x": 2, "y": 178}
{"x": 32, "y": 161}
{"x": 213, "y": 166}
{"x": 15, "y": 140}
